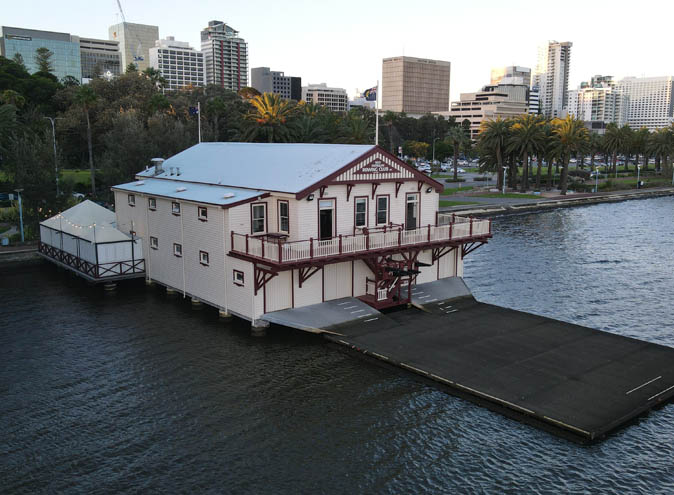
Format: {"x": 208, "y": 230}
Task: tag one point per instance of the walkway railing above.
{"x": 93, "y": 270}
{"x": 277, "y": 251}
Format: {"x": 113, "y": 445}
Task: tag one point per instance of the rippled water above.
{"x": 139, "y": 393}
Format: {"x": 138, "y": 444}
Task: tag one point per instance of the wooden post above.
{"x": 471, "y": 226}
{"x": 280, "y": 251}
{"x": 429, "y": 232}
{"x": 246, "y": 243}
{"x": 400, "y": 232}
{"x": 340, "y": 243}
{"x": 490, "y": 226}
{"x": 450, "y": 230}
{"x": 311, "y": 247}
{"x": 262, "y": 242}
{"x": 231, "y": 234}
{"x": 367, "y": 239}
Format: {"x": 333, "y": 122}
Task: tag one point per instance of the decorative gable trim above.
{"x": 376, "y": 165}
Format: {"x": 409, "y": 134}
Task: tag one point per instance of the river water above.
{"x": 138, "y": 393}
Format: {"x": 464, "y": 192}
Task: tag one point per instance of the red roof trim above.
{"x": 328, "y": 180}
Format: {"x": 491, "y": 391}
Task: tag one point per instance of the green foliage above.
{"x": 456, "y": 203}
{"x": 43, "y": 60}
{"x": 416, "y": 149}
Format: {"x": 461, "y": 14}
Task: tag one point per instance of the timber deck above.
{"x": 571, "y": 380}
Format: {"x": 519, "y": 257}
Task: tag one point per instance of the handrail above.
{"x": 288, "y": 252}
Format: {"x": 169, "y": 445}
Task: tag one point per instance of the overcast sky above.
{"x": 343, "y": 43}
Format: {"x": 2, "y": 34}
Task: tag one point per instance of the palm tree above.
{"x": 614, "y": 140}
{"x": 640, "y": 143}
{"x": 571, "y": 135}
{"x": 494, "y": 135}
{"x": 628, "y": 144}
{"x": 661, "y": 145}
{"x": 595, "y": 145}
{"x": 269, "y": 118}
{"x": 526, "y": 139}
{"x": 356, "y": 130}
{"x": 86, "y": 98}
{"x": 155, "y": 77}
{"x": 457, "y": 138}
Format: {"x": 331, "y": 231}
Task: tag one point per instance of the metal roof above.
{"x": 263, "y": 166}
{"x": 198, "y": 193}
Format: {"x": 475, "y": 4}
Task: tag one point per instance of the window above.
{"x": 132, "y": 199}
{"x": 154, "y": 243}
{"x": 177, "y": 249}
{"x": 202, "y": 213}
{"x": 259, "y": 218}
{"x": 175, "y": 208}
{"x": 152, "y": 203}
{"x": 238, "y": 278}
{"x": 382, "y": 210}
{"x": 203, "y": 258}
{"x": 361, "y": 212}
{"x": 283, "y": 216}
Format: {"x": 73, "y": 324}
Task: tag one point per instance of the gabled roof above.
{"x": 189, "y": 191}
{"x": 277, "y": 167}
{"x": 89, "y": 221}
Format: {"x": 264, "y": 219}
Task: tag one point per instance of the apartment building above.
{"x": 225, "y": 56}
{"x": 100, "y": 58}
{"x": 415, "y": 85}
{"x": 598, "y": 102}
{"x": 513, "y": 74}
{"x": 552, "y": 77}
{"x": 135, "y": 41}
{"x": 649, "y": 101}
{"x": 335, "y": 99}
{"x": 266, "y": 80}
{"x": 181, "y": 65}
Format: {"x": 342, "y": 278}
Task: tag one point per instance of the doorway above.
{"x": 326, "y": 219}
{"x": 412, "y": 212}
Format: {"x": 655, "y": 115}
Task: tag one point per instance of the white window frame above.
{"x": 177, "y": 250}
{"x": 131, "y": 199}
{"x": 202, "y": 213}
{"x": 203, "y": 258}
{"x": 376, "y": 213}
{"x": 238, "y": 278}
{"x": 286, "y": 216}
{"x": 175, "y": 208}
{"x": 417, "y": 200}
{"x": 154, "y": 242}
{"x": 264, "y": 218}
{"x": 152, "y": 203}
{"x": 357, "y": 200}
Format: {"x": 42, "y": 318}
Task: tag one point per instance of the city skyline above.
{"x": 318, "y": 51}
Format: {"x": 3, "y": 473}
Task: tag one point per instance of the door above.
{"x": 412, "y": 212}
{"x": 326, "y": 219}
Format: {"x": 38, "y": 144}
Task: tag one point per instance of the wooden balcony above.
{"x": 449, "y": 230}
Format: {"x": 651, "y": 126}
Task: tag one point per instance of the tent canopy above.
{"x": 89, "y": 221}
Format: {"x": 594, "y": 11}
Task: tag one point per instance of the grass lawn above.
{"x": 76, "y": 175}
{"x": 454, "y": 190}
{"x": 508, "y": 195}
{"x": 457, "y": 203}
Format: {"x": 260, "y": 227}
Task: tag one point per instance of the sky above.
{"x": 342, "y": 43}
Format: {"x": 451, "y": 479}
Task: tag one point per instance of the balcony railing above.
{"x": 449, "y": 228}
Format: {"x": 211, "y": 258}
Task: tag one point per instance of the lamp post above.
{"x": 56, "y": 167}
{"x": 638, "y": 176}
{"x": 18, "y": 191}
{"x": 505, "y": 174}
{"x": 434, "y": 140}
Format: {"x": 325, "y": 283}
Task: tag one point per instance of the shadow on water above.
{"x": 136, "y": 392}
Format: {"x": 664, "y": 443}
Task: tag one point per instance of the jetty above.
{"x": 570, "y": 380}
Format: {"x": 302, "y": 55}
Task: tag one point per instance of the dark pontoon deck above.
{"x": 573, "y": 380}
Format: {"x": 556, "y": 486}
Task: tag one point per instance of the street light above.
{"x": 638, "y": 176}
{"x": 596, "y": 179}
{"x": 434, "y": 140}
{"x": 56, "y": 167}
{"x": 505, "y": 173}
{"x": 18, "y": 191}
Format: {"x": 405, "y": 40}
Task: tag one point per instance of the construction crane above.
{"x": 137, "y": 57}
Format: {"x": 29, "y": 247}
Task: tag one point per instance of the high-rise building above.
{"x": 534, "y": 101}
{"x": 502, "y": 100}
{"x": 415, "y": 85}
{"x": 65, "y": 49}
{"x": 135, "y": 41}
{"x": 513, "y": 74}
{"x": 181, "y": 65}
{"x": 100, "y": 58}
{"x": 597, "y": 103}
{"x": 552, "y": 77}
{"x": 268, "y": 81}
{"x": 334, "y": 99}
{"x": 649, "y": 100}
{"x": 226, "y": 56}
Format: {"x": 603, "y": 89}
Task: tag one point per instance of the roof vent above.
{"x": 181, "y": 189}
{"x": 171, "y": 169}
{"x": 228, "y": 195}
{"x": 177, "y": 170}
{"x": 157, "y": 164}
{"x": 139, "y": 183}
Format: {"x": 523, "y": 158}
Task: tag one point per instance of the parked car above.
{"x": 459, "y": 170}
{"x": 78, "y": 196}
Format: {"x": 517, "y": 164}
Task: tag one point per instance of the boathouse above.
{"x": 85, "y": 240}
{"x": 254, "y": 228}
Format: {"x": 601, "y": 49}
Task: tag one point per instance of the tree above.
{"x": 86, "y": 98}
{"x": 457, "y": 138}
{"x": 69, "y": 81}
{"x": 661, "y": 144}
{"x": 627, "y": 144}
{"x": 416, "y": 149}
{"x": 640, "y": 145}
{"x": 595, "y": 145}
{"x": 614, "y": 140}
{"x": 131, "y": 67}
{"x": 18, "y": 59}
{"x": 268, "y": 120}
{"x": 527, "y": 139}
{"x": 43, "y": 60}
{"x": 248, "y": 92}
{"x": 11, "y": 97}
{"x": 571, "y": 135}
{"x": 356, "y": 130}
{"x": 494, "y": 135}
{"x": 155, "y": 77}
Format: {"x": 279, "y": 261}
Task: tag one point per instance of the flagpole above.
{"x": 376, "y": 119}
{"x": 199, "y": 118}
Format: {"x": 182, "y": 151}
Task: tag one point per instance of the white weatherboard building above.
{"x": 255, "y": 228}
